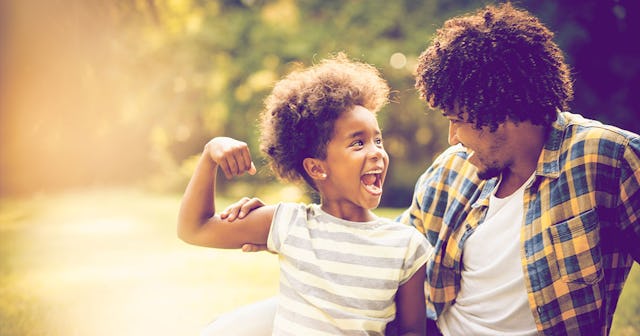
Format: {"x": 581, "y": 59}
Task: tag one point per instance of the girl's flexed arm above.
{"x": 198, "y": 223}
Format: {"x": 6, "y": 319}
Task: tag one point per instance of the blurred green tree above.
{"x": 130, "y": 90}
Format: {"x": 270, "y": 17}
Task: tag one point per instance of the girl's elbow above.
{"x": 186, "y": 233}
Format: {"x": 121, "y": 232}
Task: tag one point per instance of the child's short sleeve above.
{"x": 418, "y": 251}
{"x": 280, "y": 224}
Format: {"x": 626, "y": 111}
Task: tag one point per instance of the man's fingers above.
{"x": 248, "y": 248}
{"x": 249, "y": 206}
{"x": 241, "y": 208}
{"x": 253, "y": 248}
{"x": 231, "y": 212}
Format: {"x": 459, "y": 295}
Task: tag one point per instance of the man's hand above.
{"x": 240, "y": 209}
{"x": 254, "y": 248}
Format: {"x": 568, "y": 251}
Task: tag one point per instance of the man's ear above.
{"x": 314, "y": 168}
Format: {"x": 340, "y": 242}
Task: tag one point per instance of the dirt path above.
{"x": 109, "y": 263}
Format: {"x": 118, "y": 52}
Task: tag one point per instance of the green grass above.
{"x": 108, "y": 262}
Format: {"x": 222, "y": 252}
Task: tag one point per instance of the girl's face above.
{"x": 356, "y": 162}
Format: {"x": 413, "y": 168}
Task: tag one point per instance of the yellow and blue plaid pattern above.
{"x": 581, "y": 230}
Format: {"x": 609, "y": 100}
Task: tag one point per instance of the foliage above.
{"x": 129, "y": 90}
{"x": 625, "y": 320}
{"x": 598, "y": 38}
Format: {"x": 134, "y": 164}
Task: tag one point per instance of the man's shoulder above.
{"x": 450, "y": 165}
{"x": 455, "y": 151}
{"x": 576, "y": 138}
{"x": 579, "y": 128}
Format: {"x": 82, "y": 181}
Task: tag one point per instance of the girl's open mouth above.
{"x": 372, "y": 182}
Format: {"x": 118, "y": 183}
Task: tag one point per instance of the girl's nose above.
{"x": 377, "y": 152}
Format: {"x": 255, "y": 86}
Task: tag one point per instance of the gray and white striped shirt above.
{"x": 339, "y": 277}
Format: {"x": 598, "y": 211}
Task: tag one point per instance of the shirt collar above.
{"x": 549, "y": 161}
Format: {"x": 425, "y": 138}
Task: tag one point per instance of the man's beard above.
{"x": 489, "y": 173}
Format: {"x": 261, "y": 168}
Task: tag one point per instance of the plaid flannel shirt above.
{"x": 581, "y": 229}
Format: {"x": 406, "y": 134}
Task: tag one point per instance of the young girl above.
{"x": 343, "y": 270}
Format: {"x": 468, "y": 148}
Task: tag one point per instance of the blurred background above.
{"x": 123, "y": 92}
{"x": 105, "y": 105}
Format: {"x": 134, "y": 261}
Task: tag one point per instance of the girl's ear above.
{"x": 314, "y": 168}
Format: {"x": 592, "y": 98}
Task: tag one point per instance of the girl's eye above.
{"x": 379, "y": 141}
{"x": 357, "y": 143}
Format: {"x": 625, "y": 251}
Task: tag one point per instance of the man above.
{"x": 533, "y": 214}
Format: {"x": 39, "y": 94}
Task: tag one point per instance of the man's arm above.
{"x": 629, "y": 200}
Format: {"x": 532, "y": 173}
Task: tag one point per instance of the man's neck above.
{"x": 530, "y": 141}
{"x": 510, "y": 182}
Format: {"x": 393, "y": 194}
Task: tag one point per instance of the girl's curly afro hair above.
{"x": 299, "y": 115}
{"x": 497, "y": 63}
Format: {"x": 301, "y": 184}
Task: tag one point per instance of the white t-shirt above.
{"x": 493, "y": 299}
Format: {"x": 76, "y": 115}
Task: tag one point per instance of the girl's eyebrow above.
{"x": 361, "y": 133}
